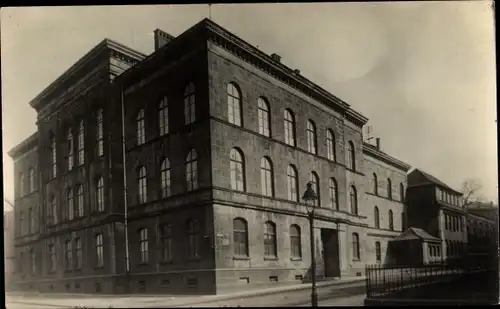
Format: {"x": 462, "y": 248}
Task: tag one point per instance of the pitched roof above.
{"x": 416, "y": 233}
{"x": 418, "y": 178}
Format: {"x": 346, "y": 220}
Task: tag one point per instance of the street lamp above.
{"x": 309, "y": 197}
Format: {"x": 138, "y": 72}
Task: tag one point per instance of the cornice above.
{"x": 371, "y": 150}
{"x": 28, "y": 144}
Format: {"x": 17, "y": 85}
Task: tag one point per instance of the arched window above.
{"x": 264, "y": 123}
{"x": 389, "y": 189}
{"x": 378, "y": 252}
{"x": 142, "y": 185}
{"x": 334, "y": 194}
{"x": 31, "y": 179}
{"x": 163, "y": 116}
{"x": 376, "y": 217}
{"x": 311, "y": 137}
{"x": 54, "y": 157}
{"x": 266, "y": 177}
{"x": 143, "y": 244}
{"x": 233, "y": 104}
{"x": 375, "y": 184}
{"x": 192, "y": 170}
{"x": 79, "y": 200}
{"x": 71, "y": 206}
{"x": 100, "y": 133}
{"x": 402, "y": 192}
{"x": 292, "y": 183}
{"x": 240, "y": 237}
{"x": 53, "y": 210}
{"x": 100, "y": 194}
{"x": 21, "y": 184}
{"x": 330, "y": 145}
{"x": 314, "y": 179}
{"x": 141, "y": 130}
{"x": 81, "y": 143}
{"x": 193, "y": 232}
{"x": 99, "y": 246}
{"x": 391, "y": 221}
{"x": 295, "y": 241}
{"x": 165, "y": 178}
{"x": 70, "y": 150}
{"x": 355, "y": 247}
{"x": 354, "y": 200}
{"x": 189, "y": 104}
{"x": 270, "y": 239}
{"x": 351, "y": 156}
{"x": 237, "y": 170}
{"x": 289, "y": 128}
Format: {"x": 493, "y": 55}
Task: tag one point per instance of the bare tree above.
{"x": 470, "y": 190}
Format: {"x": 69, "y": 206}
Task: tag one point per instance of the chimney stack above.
{"x": 378, "y": 143}
{"x": 276, "y": 57}
{"x": 296, "y": 71}
{"x": 162, "y": 38}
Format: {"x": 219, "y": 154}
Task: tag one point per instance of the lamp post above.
{"x": 309, "y": 197}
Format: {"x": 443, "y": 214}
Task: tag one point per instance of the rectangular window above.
{"x": 78, "y": 253}
{"x": 100, "y": 133}
{"x": 166, "y": 242}
{"x": 52, "y": 258}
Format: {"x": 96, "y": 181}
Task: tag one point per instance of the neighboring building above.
{"x": 414, "y": 247}
{"x": 482, "y": 228}
{"x": 437, "y": 209}
{"x": 220, "y": 141}
{"x": 8, "y": 245}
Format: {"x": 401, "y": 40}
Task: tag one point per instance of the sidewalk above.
{"x": 137, "y": 301}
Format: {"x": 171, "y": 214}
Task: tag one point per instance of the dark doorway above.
{"x": 330, "y": 239}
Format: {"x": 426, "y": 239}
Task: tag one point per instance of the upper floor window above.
{"x": 295, "y": 241}
{"x": 100, "y": 194}
{"x": 81, "y": 143}
{"x": 189, "y": 104}
{"x": 70, "y": 150}
{"x": 264, "y": 121}
{"x": 192, "y": 170}
{"x": 71, "y": 206}
{"x": 376, "y": 217}
{"x": 391, "y": 220}
{"x": 289, "y": 128}
{"x": 402, "y": 192}
{"x": 53, "y": 210}
{"x": 233, "y": 104}
{"x": 354, "y": 200}
{"x": 351, "y": 156}
{"x": 21, "y": 185}
{"x": 193, "y": 233}
{"x": 389, "y": 189}
{"x": 54, "y": 156}
{"x": 31, "y": 179}
{"x": 237, "y": 170}
{"x": 30, "y": 218}
{"x": 355, "y": 247}
{"x": 334, "y": 194}
{"x": 142, "y": 184}
{"x": 165, "y": 178}
{"x": 240, "y": 237}
{"x": 141, "y": 130}
{"x": 375, "y": 184}
{"x": 270, "y": 239}
{"x": 314, "y": 179}
{"x": 99, "y": 250}
{"x": 292, "y": 183}
{"x": 163, "y": 116}
{"x": 100, "y": 133}
{"x": 266, "y": 177}
{"x": 311, "y": 137}
{"x": 143, "y": 243}
{"x": 330, "y": 145}
{"x": 79, "y": 200}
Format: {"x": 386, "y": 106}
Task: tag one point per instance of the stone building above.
{"x": 482, "y": 228}
{"x": 220, "y": 141}
{"x": 8, "y": 248}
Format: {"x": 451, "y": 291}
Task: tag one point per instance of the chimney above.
{"x": 296, "y": 71}
{"x": 162, "y": 38}
{"x": 378, "y": 143}
{"x": 276, "y": 57}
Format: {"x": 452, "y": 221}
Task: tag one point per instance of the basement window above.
{"x": 273, "y": 278}
{"x": 97, "y": 287}
{"x": 142, "y": 286}
{"x": 192, "y": 282}
{"x": 244, "y": 280}
{"x": 299, "y": 277}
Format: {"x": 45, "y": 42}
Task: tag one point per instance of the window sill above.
{"x": 241, "y": 258}
{"x": 143, "y": 264}
{"x": 271, "y": 258}
{"x": 356, "y": 260}
{"x": 167, "y": 262}
{"x": 99, "y": 267}
{"x": 194, "y": 259}
{"x": 296, "y": 259}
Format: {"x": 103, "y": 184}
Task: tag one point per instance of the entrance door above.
{"x": 331, "y": 252}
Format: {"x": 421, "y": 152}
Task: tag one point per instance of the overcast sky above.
{"x": 423, "y": 73}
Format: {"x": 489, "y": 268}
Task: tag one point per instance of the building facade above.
{"x": 8, "y": 245}
{"x": 219, "y": 143}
